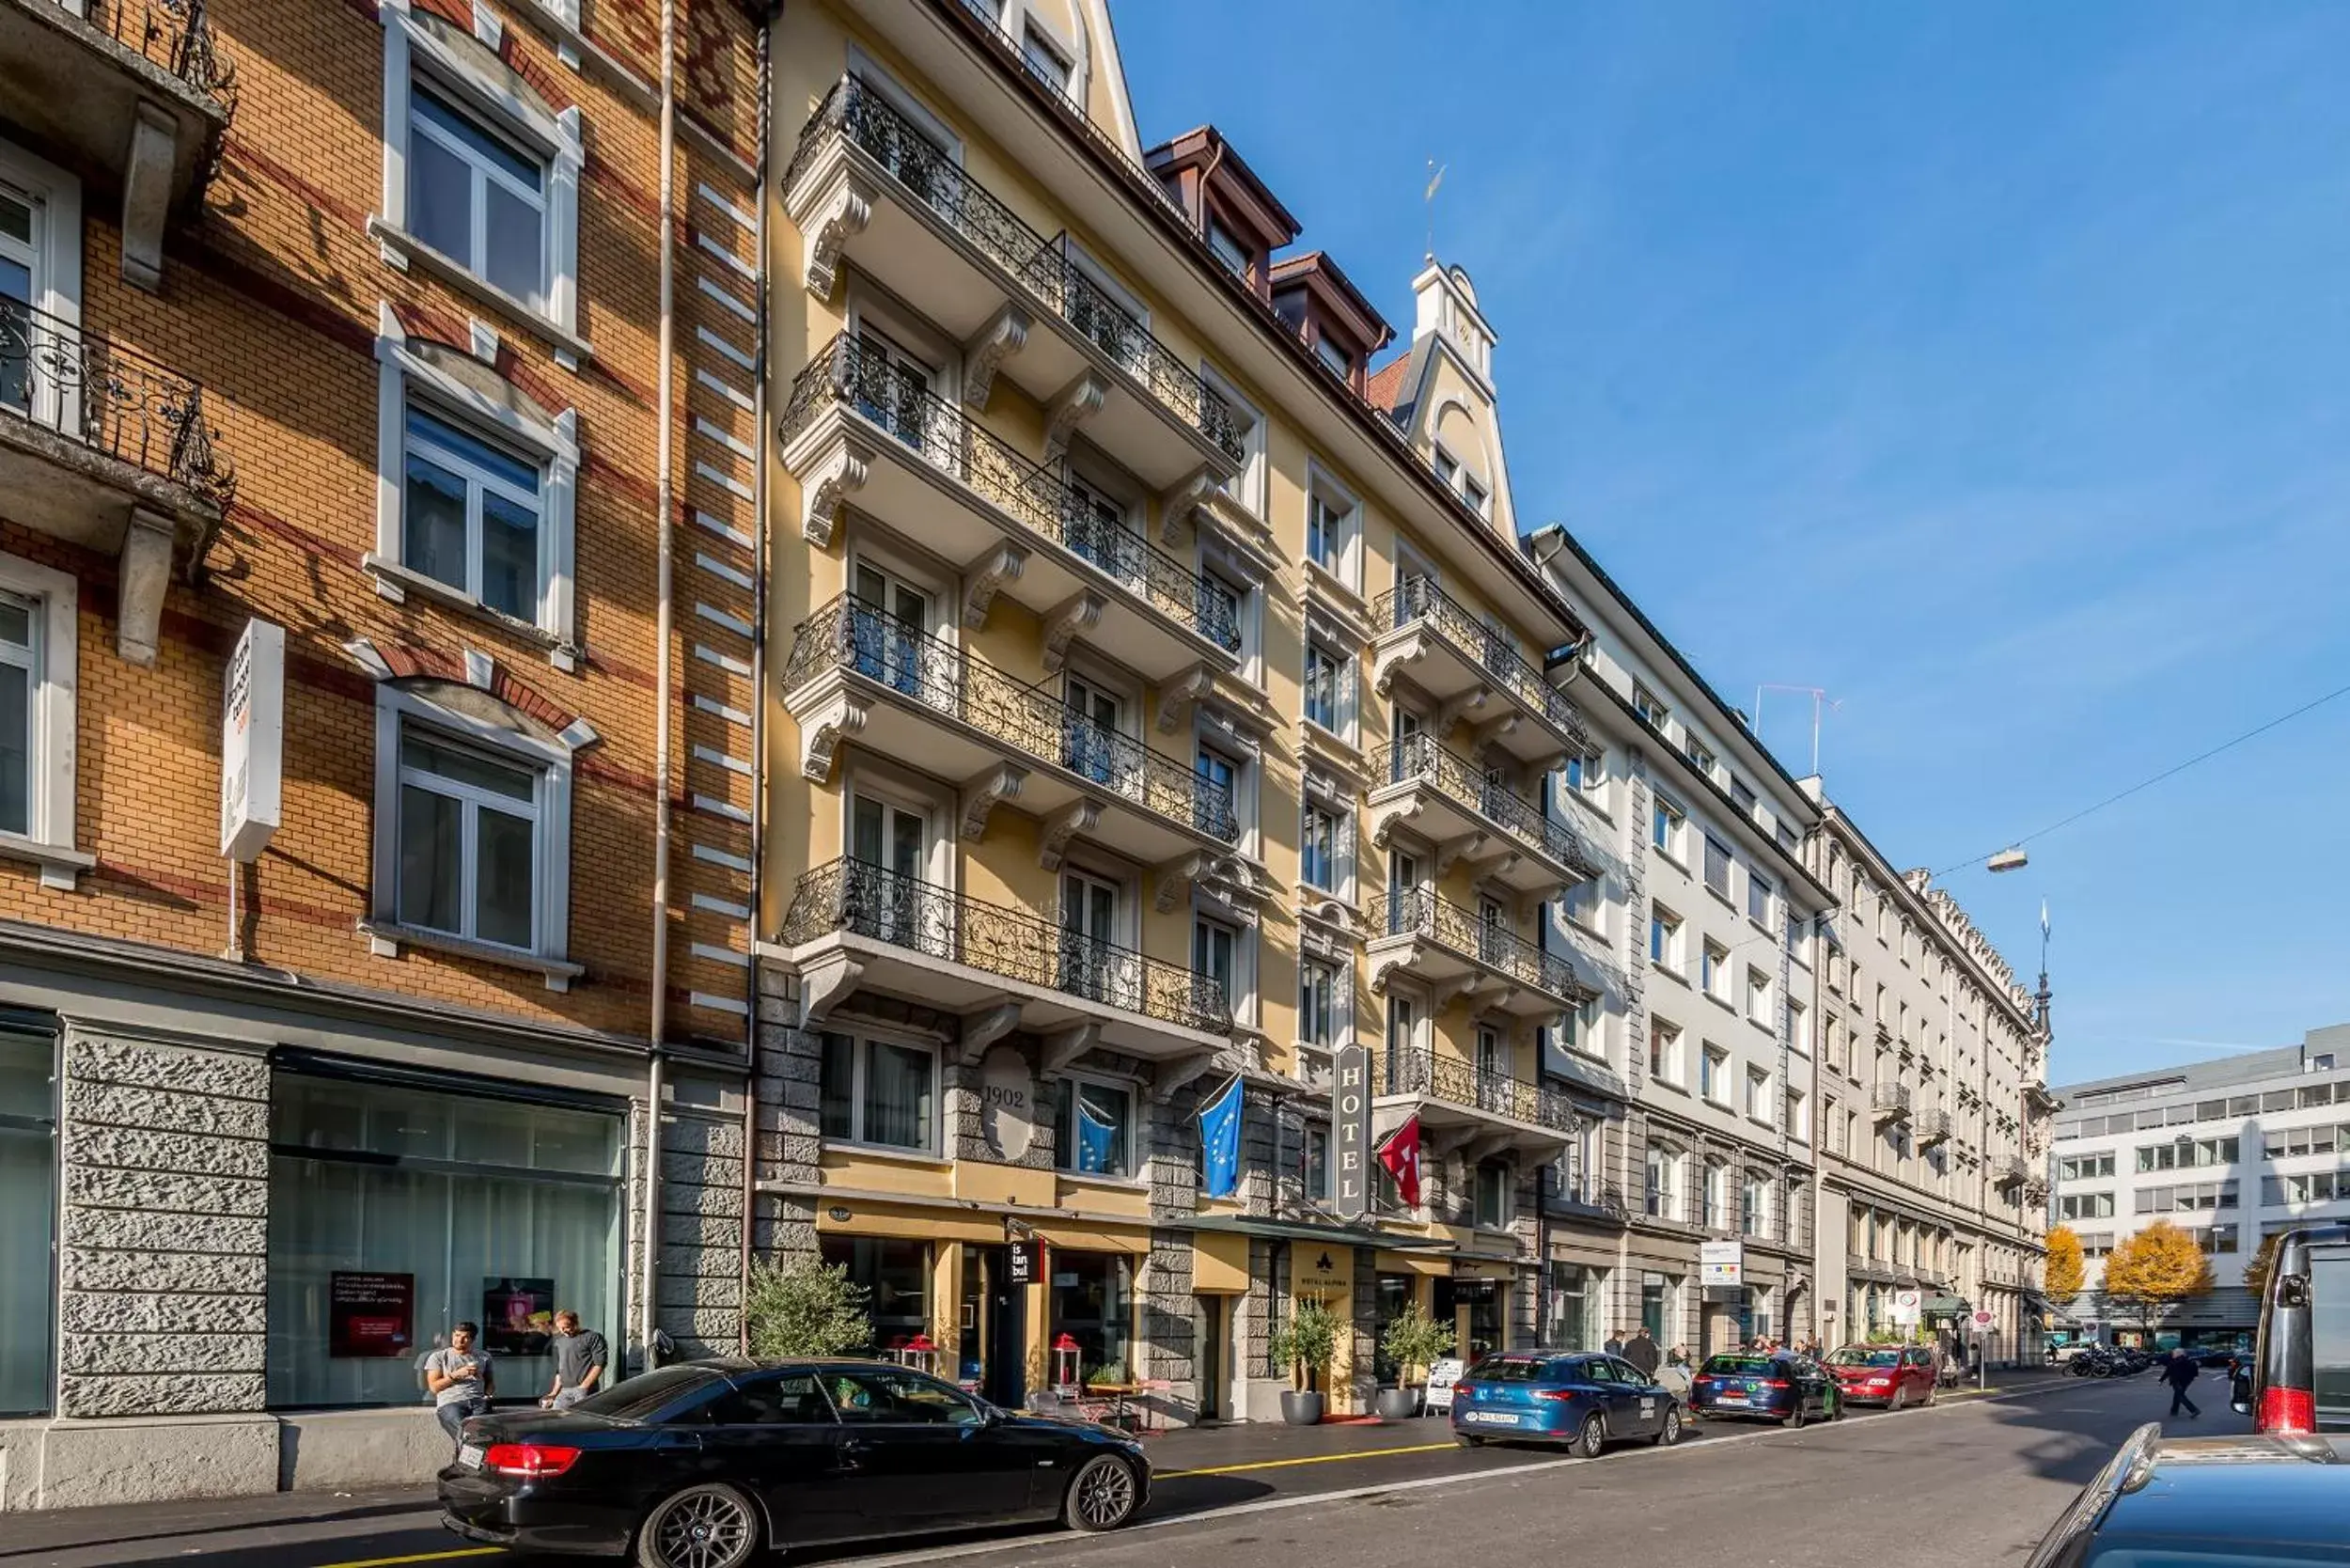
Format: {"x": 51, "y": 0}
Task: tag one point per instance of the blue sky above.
{"x": 1987, "y": 366}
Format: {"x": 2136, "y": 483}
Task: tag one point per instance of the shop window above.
{"x": 28, "y": 1203}
{"x": 397, "y": 1210}
{"x": 896, "y": 1276}
{"x": 1094, "y": 1135}
{"x": 877, "y": 1092}
{"x": 1092, "y": 1302}
{"x": 1392, "y": 1295}
{"x": 1577, "y": 1294}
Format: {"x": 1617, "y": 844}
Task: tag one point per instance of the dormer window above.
{"x": 1228, "y": 250}
{"x": 1335, "y": 357}
{"x": 1044, "y": 59}
{"x": 1475, "y": 493}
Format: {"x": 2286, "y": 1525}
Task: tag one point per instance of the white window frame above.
{"x": 1714, "y": 1066}
{"x": 1759, "y": 1105}
{"x": 1676, "y": 845}
{"x": 1759, "y": 997}
{"x": 1345, "y": 508}
{"x": 1340, "y": 1004}
{"x": 51, "y": 719}
{"x": 1247, "y": 487}
{"x": 1345, "y": 680}
{"x": 552, "y": 841}
{"x": 861, "y": 1043}
{"x": 1508, "y": 1195}
{"x": 402, "y": 377}
{"x": 1136, "y": 1152}
{"x": 56, "y": 268}
{"x": 1667, "y": 1062}
{"x": 410, "y": 46}
{"x": 1713, "y": 975}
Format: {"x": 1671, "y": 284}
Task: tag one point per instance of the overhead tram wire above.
{"x": 2171, "y": 771}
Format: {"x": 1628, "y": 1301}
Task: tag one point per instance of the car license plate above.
{"x": 1490, "y": 1418}
{"x": 1733, "y": 1396}
{"x": 470, "y": 1457}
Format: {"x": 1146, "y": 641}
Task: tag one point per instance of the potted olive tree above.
{"x": 1306, "y": 1343}
{"x": 1414, "y": 1342}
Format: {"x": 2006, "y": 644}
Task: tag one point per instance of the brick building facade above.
{"x": 349, "y": 318}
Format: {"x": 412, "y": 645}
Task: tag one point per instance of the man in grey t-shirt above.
{"x": 459, "y": 1378}
{"x": 580, "y": 1358}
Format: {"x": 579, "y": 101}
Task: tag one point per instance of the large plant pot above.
{"x": 1301, "y": 1409}
{"x": 1398, "y": 1404}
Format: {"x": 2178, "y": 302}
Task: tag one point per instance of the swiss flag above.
{"x": 1400, "y": 1155}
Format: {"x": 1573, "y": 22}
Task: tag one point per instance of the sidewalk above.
{"x": 33, "y": 1534}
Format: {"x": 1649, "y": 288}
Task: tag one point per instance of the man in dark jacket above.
{"x": 1640, "y": 1350}
{"x": 2180, "y": 1372}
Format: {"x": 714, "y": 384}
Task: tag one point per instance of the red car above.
{"x": 1891, "y": 1376}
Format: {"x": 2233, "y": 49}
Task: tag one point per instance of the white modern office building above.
{"x": 2231, "y": 1151}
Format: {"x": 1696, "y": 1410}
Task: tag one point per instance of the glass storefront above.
{"x": 1576, "y": 1294}
{"x": 897, "y": 1279}
{"x": 1390, "y": 1295}
{"x": 28, "y": 1206}
{"x": 398, "y": 1210}
{"x": 1092, "y": 1302}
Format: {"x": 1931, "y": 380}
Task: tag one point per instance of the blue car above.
{"x": 1579, "y": 1398}
{"x": 1788, "y": 1390}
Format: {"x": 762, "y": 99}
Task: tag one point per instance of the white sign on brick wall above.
{"x": 253, "y": 740}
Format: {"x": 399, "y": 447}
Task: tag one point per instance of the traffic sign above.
{"x": 1983, "y": 1322}
{"x": 1907, "y": 1304}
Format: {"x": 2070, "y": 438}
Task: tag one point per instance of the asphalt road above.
{"x": 1970, "y": 1482}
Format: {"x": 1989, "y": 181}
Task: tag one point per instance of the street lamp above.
{"x": 2013, "y": 858}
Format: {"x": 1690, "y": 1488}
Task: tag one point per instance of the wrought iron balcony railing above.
{"x": 1419, "y": 757}
{"x": 1933, "y": 1126}
{"x": 2013, "y": 1170}
{"x": 854, "y": 634}
{"x": 1041, "y": 266}
{"x": 1892, "y": 1098}
{"x": 1582, "y": 1195}
{"x": 895, "y": 399}
{"x": 1411, "y": 1069}
{"x": 1419, "y": 912}
{"x": 175, "y": 34}
{"x": 108, "y": 399}
{"x": 1418, "y": 598}
{"x": 887, "y": 906}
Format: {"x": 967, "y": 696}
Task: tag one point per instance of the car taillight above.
{"x": 531, "y": 1460}
{"x": 1773, "y": 1383}
{"x": 1557, "y": 1396}
{"x": 1704, "y": 1382}
{"x": 2288, "y": 1412}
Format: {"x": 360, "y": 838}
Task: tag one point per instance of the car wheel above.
{"x": 1932, "y": 1394}
{"x": 702, "y": 1527}
{"x": 1101, "y": 1497}
{"x": 1900, "y": 1397}
{"x": 1467, "y": 1441}
{"x": 1590, "y": 1438}
{"x": 1669, "y": 1434}
{"x": 1795, "y": 1415}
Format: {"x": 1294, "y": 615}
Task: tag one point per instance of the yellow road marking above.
{"x": 1259, "y": 1465}
{"x": 418, "y": 1556}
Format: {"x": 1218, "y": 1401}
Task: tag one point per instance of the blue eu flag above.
{"x": 1219, "y": 1139}
{"x": 1097, "y": 1141}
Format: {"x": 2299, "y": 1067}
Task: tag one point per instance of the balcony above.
{"x": 104, "y": 449}
{"x": 1463, "y": 1108}
{"x": 867, "y": 186}
{"x": 1891, "y": 1101}
{"x": 852, "y": 926}
{"x": 1439, "y": 647}
{"x": 131, "y": 90}
{"x": 854, "y": 671}
{"x": 1592, "y": 1201}
{"x": 1421, "y": 786}
{"x": 1932, "y": 1127}
{"x": 2038, "y": 1097}
{"x": 2014, "y": 1170}
{"x": 858, "y": 424}
{"x": 1431, "y": 939}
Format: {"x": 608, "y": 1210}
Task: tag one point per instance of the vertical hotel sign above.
{"x": 253, "y": 740}
{"x": 1349, "y": 1124}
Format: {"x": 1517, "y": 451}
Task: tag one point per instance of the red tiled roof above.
{"x": 1387, "y": 383}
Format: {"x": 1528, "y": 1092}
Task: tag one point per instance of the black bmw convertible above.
{"x": 706, "y": 1463}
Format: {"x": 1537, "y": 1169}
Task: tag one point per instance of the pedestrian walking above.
{"x": 461, "y": 1379}
{"x": 1640, "y": 1350}
{"x": 581, "y": 1357}
{"x": 1678, "y": 1355}
{"x": 1614, "y": 1346}
{"x": 2180, "y": 1372}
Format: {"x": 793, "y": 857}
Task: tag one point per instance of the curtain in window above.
{"x": 28, "y": 1198}
{"x": 472, "y": 1202}
{"x": 897, "y": 1096}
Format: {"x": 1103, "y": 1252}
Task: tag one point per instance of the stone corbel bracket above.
{"x": 1080, "y": 402}
{"x": 840, "y": 214}
{"x": 1005, "y": 334}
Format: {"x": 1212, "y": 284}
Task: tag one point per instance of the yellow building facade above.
{"x": 1157, "y": 707}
